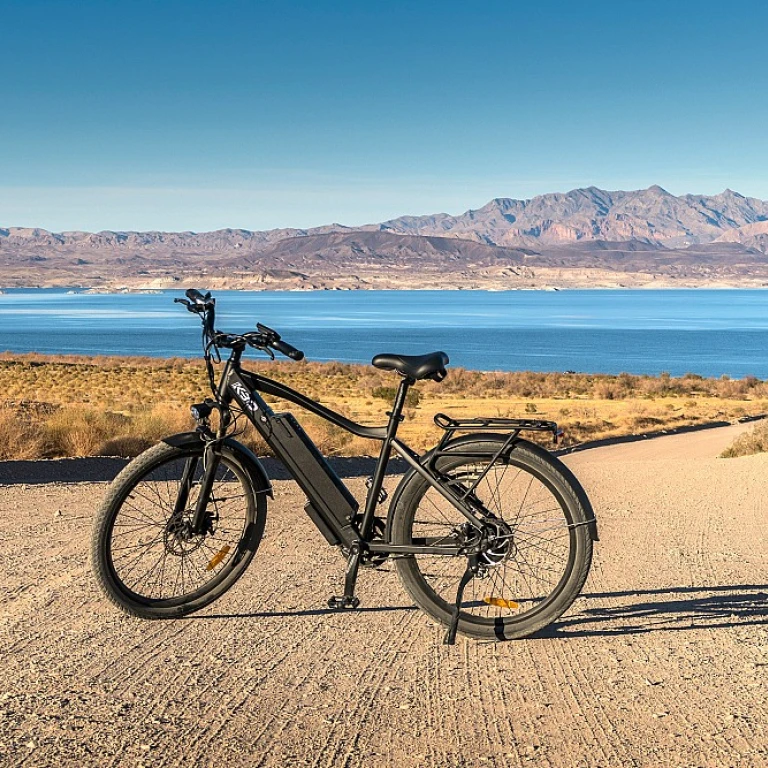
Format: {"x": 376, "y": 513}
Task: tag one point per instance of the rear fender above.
{"x": 249, "y": 460}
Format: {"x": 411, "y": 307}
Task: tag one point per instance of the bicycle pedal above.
{"x": 343, "y": 603}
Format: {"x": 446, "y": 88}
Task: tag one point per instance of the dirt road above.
{"x": 663, "y": 661}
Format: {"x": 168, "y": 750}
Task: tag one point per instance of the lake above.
{"x": 709, "y": 332}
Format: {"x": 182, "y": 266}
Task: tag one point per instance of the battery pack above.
{"x": 330, "y": 498}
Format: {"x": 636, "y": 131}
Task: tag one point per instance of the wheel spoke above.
{"x": 531, "y": 556}
{"x": 154, "y": 553}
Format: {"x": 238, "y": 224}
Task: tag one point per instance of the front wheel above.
{"x": 146, "y": 557}
{"x": 542, "y": 547}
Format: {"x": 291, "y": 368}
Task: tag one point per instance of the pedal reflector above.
{"x": 217, "y": 558}
{"x": 500, "y": 602}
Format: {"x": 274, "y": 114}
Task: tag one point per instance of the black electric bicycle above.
{"x": 491, "y": 535}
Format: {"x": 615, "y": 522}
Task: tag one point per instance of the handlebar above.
{"x": 273, "y": 340}
{"x": 195, "y": 296}
{"x": 265, "y": 339}
{"x": 287, "y": 350}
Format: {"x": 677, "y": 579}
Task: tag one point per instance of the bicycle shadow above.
{"x": 300, "y": 613}
{"x": 704, "y": 607}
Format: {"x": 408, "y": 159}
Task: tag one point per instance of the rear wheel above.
{"x": 541, "y": 551}
{"x": 146, "y": 557}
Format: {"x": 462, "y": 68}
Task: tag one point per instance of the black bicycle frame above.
{"x": 339, "y": 522}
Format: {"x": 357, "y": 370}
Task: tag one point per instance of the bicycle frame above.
{"x": 344, "y": 525}
{"x": 192, "y": 504}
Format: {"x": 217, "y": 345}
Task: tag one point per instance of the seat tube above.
{"x": 395, "y": 417}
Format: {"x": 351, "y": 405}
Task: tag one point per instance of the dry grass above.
{"x": 68, "y": 406}
{"x": 754, "y": 441}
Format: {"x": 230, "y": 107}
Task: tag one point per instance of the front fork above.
{"x": 211, "y": 460}
{"x": 185, "y": 487}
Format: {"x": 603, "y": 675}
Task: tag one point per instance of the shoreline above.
{"x": 213, "y": 284}
{"x": 149, "y": 360}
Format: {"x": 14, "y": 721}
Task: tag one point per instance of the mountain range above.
{"x": 580, "y": 238}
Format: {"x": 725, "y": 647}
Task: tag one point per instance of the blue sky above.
{"x": 200, "y": 115}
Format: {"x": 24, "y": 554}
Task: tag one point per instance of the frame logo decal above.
{"x": 245, "y": 396}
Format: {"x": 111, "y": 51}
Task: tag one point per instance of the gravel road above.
{"x": 662, "y": 661}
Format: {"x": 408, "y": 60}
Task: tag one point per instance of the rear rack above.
{"x": 512, "y": 426}
{"x": 481, "y": 424}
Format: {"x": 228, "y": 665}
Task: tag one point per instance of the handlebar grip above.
{"x": 287, "y": 350}
{"x": 194, "y": 295}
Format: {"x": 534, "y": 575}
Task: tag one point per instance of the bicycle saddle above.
{"x": 431, "y": 366}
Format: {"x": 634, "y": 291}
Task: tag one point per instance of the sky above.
{"x": 161, "y": 114}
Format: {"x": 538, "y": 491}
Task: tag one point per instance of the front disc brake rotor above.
{"x": 178, "y": 537}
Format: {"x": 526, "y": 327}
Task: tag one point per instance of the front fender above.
{"x": 248, "y": 458}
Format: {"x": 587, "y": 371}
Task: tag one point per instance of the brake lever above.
{"x": 268, "y": 332}
{"x": 260, "y": 344}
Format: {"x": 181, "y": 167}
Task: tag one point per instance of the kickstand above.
{"x": 348, "y": 601}
{"x": 450, "y": 635}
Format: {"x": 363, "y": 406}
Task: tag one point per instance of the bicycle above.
{"x": 484, "y": 510}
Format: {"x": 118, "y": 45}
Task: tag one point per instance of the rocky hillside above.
{"x": 580, "y": 238}
{"x": 594, "y": 214}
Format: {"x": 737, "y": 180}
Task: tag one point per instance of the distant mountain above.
{"x": 583, "y": 237}
{"x": 751, "y": 235}
{"x": 651, "y": 214}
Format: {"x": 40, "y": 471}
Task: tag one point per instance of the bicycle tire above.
{"x": 140, "y": 503}
{"x": 432, "y": 580}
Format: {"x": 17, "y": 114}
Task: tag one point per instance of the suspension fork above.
{"x": 211, "y": 460}
{"x": 185, "y": 486}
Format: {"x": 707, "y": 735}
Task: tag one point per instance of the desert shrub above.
{"x": 329, "y": 438}
{"x": 748, "y": 443}
{"x": 251, "y": 439}
{"x": 607, "y": 390}
{"x": 158, "y": 421}
{"x": 19, "y": 438}
{"x": 412, "y": 398}
{"x": 126, "y": 446}
{"x": 80, "y": 431}
{"x": 645, "y": 422}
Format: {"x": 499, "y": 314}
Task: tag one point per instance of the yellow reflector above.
{"x": 217, "y": 558}
{"x": 500, "y": 602}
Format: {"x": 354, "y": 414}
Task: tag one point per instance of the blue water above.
{"x": 608, "y": 331}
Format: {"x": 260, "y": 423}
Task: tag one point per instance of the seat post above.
{"x": 395, "y": 416}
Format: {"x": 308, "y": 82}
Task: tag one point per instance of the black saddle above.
{"x": 417, "y": 367}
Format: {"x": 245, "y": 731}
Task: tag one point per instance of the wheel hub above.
{"x": 179, "y": 538}
{"x": 496, "y": 544}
